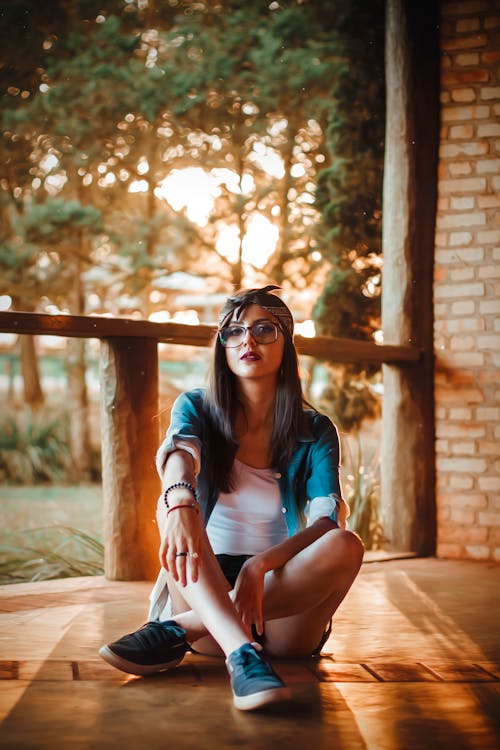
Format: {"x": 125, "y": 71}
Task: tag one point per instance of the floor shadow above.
{"x": 448, "y": 608}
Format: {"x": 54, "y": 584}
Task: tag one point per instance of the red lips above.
{"x": 250, "y": 356}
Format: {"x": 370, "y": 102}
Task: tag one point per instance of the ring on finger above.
{"x": 194, "y": 555}
{"x": 182, "y": 554}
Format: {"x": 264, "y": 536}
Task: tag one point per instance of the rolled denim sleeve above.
{"x": 184, "y": 432}
{"x": 323, "y": 483}
{"x": 333, "y": 507}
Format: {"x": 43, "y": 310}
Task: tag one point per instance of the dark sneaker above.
{"x": 253, "y": 681}
{"x": 153, "y": 648}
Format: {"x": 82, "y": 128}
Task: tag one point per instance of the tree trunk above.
{"x": 151, "y": 208}
{"x": 33, "y": 394}
{"x": 281, "y": 254}
{"x": 30, "y": 369}
{"x": 237, "y": 268}
{"x": 79, "y": 434}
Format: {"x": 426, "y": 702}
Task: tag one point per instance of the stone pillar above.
{"x": 129, "y": 423}
{"x": 412, "y": 129}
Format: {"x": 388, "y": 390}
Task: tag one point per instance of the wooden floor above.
{"x": 413, "y": 662}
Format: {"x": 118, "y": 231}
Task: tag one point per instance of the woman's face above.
{"x": 251, "y": 359}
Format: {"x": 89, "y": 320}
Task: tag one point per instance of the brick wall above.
{"x": 467, "y": 283}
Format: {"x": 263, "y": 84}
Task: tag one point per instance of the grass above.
{"x": 50, "y": 532}
{"x": 33, "y": 448}
{"x": 50, "y": 552}
{"x": 361, "y": 488}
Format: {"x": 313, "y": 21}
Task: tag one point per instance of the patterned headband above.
{"x": 261, "y": 297}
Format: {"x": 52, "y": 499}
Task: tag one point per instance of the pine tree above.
{"x": 125, "y": 93}
{"x": 349, "y": 191}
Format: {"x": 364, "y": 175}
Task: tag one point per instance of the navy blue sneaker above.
{"x": 253, "y": 681}
{"x": 153, "y": 648}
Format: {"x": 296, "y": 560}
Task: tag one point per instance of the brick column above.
{"x": 467, "y": 283}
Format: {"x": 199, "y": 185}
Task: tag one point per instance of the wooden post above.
{"x": 409, "y": 205}
{"x": 129, "y": 423}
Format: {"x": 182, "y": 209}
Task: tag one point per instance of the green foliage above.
{"x": 354, "y": 406}
{"x": 179, "y": 84}
{"x": 51, "y": 552}
{"x": 30, "y": 259}
{"x": 343, "y": 308}
{"x": 33, "y": 449}
{"x": 349, "y": 400}
{"x": 17, "y": 259}
{"x": 133, "y": 91}
{"x": 56, "y": 216}
{"x": 349, "y": 190}
{"x": 20, "y": 274}
{"x": 361, "y": 488}
{"x": 84, "y": 82}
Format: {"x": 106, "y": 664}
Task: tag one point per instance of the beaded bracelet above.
{"x": 178, "y": 485}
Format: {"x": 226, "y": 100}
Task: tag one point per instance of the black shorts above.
{"x": 231, "y": 566}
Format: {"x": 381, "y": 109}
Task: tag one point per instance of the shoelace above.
{"x": 253, "y": 664}
{"x": 154, "y": 634}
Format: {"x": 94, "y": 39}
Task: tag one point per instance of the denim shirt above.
{"x": 312, "y": 473}
{"x": 313, "y": 470}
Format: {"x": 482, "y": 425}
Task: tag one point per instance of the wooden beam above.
{"x": 353, "y": 350}
{"x": 130, "y": 438}
{"x": 79, "y": 326}
{"x": 88, "y": 327}
{"x": 409, "y": 205}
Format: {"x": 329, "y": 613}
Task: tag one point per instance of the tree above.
{"x": 19, "y": 78}
{"x": 170, "y": 85}
{"x": 113, "y": 101}
{"x": 31, "y": 269}
{"x": 235, "y": 100}
{"x": 17, "y": 267}
{"x": 57, "y": 140}
{"x": 349, "y": 191}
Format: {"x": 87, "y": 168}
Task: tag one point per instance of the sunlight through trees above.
{"x": 147, "y": 146}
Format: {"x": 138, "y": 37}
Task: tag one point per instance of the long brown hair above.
{"x": 222, "y": 401}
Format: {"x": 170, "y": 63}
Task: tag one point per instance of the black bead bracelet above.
{"x": 178, "y": 485}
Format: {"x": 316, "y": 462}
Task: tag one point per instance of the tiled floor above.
{"x": 414, "y": 662}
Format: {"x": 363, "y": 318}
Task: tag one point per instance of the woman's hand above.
{"x": 183, "y": 534}
{"x": 249, "y": 591}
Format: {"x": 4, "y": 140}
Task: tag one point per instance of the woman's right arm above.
{"x": 182, "y": 529}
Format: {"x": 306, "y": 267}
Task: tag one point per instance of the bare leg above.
{"x": 196, "y": 633}
{"x": 299, "y": 599}
{"x": 212, "y": 610}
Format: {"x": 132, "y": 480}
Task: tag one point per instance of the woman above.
{"x": 254, "y": 551}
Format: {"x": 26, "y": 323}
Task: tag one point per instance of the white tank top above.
{"x": 250, "y": 519}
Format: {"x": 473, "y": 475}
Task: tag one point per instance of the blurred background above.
{"x": 155, "y": 155}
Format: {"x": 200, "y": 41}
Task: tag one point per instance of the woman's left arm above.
{"x": 277, "y": 556}
{"x": 249, "y": 588}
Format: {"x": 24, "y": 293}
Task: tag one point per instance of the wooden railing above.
{"x": 129, "y": 409}
{"x": 80, "y": 326}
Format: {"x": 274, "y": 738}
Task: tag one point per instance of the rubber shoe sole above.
{"x": 131, "y": 667}
{"x": 262, "y": 699}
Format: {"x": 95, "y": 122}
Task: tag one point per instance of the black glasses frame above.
{"x": 253, "y": 330}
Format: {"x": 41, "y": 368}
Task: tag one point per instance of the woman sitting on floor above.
{"x": 254, "y": 551}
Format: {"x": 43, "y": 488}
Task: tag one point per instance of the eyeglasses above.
{"x": 263, "y": 332}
